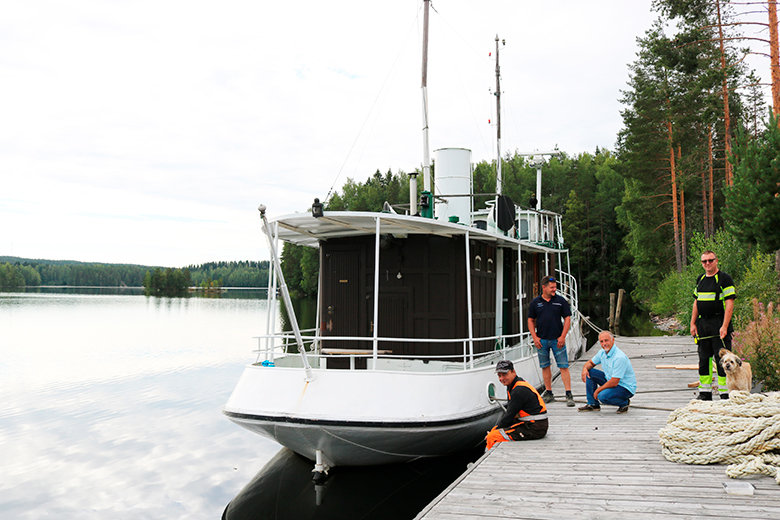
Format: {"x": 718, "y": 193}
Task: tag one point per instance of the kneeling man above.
{"x": 526, "y": 415}
{"x": 616, "y": 384}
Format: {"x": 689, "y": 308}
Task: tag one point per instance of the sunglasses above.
{"x": 550, "y": 279}
{"x": 708, "y": 260}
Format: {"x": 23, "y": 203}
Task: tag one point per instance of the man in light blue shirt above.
{"x": 616, "y": 384}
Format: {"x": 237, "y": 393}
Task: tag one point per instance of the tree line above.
{"x": 21, "y": 272}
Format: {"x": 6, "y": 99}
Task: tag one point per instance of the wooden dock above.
{"x": 601, "y": 465}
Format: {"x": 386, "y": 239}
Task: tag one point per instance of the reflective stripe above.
{"x": 504, "y": 435}
{"x": 534, "y": 417}
{"x": 706, "y": 296}
{"x": 728, "y": 291}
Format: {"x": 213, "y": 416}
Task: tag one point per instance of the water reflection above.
{"x": 283, "y": 489}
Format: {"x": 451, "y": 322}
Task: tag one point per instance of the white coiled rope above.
{"x": 743, "y": 431}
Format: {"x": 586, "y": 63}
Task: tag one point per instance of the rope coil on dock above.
{"x": 743, "y": 432}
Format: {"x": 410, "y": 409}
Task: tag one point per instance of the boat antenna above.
{"x": 536, "y": 161}
{"x": 499, "y": 177}
{"x": 286, "y": 295}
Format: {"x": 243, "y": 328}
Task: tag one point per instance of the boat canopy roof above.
{"x": 304, "y": 229}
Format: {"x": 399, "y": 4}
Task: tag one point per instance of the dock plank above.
{"x": 601, "y": 465}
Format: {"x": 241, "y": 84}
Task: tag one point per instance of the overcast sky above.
{"x": 149, "y": 131}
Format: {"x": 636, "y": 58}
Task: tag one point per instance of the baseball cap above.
{"x": 504, "y": 366}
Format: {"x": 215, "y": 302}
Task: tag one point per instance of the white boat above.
{"x": 413, "y": 314}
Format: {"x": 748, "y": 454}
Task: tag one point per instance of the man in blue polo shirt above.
{"x": 549, "y": 318}
{"x": 616, "y": 384}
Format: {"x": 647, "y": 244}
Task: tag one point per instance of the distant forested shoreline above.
{"x": 26, "y": 272}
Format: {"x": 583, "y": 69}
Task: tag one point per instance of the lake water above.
{"x": 110, "y": 407}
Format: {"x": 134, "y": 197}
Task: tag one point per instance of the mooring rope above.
{"x": 628, "y": 339}
{"x": 743, "y": 431}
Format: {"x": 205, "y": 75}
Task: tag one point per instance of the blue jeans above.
{"x": 617, "y": 396}
{"x": 561, "y": 356}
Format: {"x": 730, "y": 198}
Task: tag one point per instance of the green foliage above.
{"x": 759, "y": 343}
{"x": 10, "y": 276}
{"x": 300, "y": 265}
{"x": 73, "y": 274}
{"x": 371, "y": 195}
{"x": 168, "y": 282}
{"x": 675, "y": 295}
{"x": 231, "y": 274}
{"x": 752, "y": 271}
{"x": 759, "y": 282}
{"x": 753, "y": 202}
{"x": 69, "y": 273}
{"x": 18, "y": 276}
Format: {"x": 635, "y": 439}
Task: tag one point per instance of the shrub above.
{"x": 759, "y": 343}
{"x": 758, "y": 282}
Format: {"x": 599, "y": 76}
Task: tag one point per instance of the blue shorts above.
{"x": 561, "y": 356}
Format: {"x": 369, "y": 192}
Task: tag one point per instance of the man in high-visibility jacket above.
{"x": 711, "y": 322}
{"x": 526, "y": 414}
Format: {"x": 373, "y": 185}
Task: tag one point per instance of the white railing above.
{"x": 567, "y": 287}
{"x": 539, "y": 227}
{"x": 273, "y": 347}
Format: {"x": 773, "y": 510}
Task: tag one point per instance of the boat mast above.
{"x": 426, "y": 211}
{"x": 499, "y": 178}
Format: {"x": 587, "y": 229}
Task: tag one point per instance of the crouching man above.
{"x": 526, "y": 415}
{"x": 616, "y": 384}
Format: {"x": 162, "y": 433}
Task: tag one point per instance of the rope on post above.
{"x": 743, "y": 431}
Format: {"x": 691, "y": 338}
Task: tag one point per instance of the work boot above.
{"x": 704, "y": 396}
{"x": 548, "y": 396}
{"x": 569, "y": 399}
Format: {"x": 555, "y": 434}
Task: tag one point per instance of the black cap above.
{"x": 504, "y": 366}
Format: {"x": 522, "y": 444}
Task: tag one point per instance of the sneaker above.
{"x": 622, "y": 409}
{"x": 704, "y": 396}
{"x": 589, "y": 408}
{"x": 548, "y": 397}
{"x": 569, "y": 400}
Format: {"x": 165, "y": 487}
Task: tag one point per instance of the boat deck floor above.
{"x": 601, "y": 465}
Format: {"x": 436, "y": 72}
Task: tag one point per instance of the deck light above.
{"x": 316, "y": 209}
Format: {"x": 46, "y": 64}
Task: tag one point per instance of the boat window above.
{"x": 477, "y": 263}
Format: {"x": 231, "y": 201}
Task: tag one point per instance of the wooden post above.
{"x": 611, "y": 310}
{"x": 621, "y": 293}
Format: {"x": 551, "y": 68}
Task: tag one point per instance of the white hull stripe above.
{"x": 369, "y": 424}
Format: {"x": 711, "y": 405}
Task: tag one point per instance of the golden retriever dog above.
{"x": 739, "y": 376}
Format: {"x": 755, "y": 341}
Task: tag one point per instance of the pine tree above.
{"x": 753, "y": 202}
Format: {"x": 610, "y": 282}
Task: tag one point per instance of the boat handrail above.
{"x": 465, "y": 359}
{"x": 311, "y": 339}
